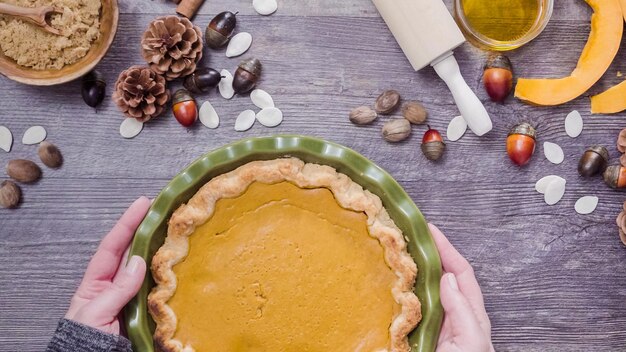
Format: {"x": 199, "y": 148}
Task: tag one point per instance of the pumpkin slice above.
{"x": 613, "y": 99}
{"x": 600, "y": 50}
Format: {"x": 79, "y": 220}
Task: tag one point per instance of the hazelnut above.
{"x": 397, "y": 130}
{"x": 414, "y": 112}
{"x": 362, "y": 115}
{"x": 387, "y": 102}
{"x": 10, "y": 194}
{"x": 50, "y": 155}
{"x": 22, "y": 170}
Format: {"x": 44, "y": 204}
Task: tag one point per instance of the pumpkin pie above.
{"x": 283, "y": 255}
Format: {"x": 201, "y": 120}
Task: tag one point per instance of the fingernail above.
{"x": 452, "y": 281}
{"x": 133, "y": 264}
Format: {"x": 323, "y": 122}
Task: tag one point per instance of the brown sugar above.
{"x": 31, "y": 46}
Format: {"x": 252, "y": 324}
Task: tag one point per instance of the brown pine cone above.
{"x": 621, "y": 224}
{"x": 621, "y": 141}
{"x": 172, "y": 46}
{"x": 141, "y": 93}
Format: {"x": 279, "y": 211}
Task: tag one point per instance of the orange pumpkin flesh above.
{"x": 613, "y": 99}
{"x": 600, "y": 50}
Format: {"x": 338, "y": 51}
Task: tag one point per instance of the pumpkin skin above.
{"x": 607, "y": 24}
{"x": 612, "y": 100}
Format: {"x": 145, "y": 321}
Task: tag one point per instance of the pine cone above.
{"x": 621, "y": 224}
{"x": 141, "y": 93}
{"x": 172, "y": 46}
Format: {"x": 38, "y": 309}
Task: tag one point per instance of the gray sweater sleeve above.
{"x": 71, "y": 336}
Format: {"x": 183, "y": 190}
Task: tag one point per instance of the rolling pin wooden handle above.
{"x": 470, "y": 107}
{"x": 188, "y": 8}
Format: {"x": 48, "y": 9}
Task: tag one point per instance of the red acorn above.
{"x": 520, "y": 144}
{"x": 432, "y": 144}
{"x": 185, "y": 108}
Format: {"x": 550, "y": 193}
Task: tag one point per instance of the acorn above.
{"x": 615, "y": 176}
{"x": 593, "y": 161}
{"x": 520, "y": 143}
{"x": 202, "y": 80}
{"x": 93, "y": 88}
{"x": 498, "y": 77}
{"x": 184, "y": 108}
{"x": 220, "y": 29}
{"x": 247, "y": 75}
{"x": 432, "y": 144}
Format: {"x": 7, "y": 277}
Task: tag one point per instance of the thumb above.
{"x": 106, "y": 307}
{"x": 457, "y": 308}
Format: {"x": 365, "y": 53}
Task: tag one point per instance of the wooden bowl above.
{"x": 109, "y": 16}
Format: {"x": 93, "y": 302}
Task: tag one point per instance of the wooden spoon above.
{"x": 35, "y": 15}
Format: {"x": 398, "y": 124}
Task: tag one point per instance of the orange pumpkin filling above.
{"x": 281, "y": 268}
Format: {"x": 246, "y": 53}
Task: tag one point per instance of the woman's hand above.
{"x": 109, "y": 282}
{"x": 466, "y": 326}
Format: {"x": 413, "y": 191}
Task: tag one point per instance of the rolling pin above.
{"x": 428, "y": 35}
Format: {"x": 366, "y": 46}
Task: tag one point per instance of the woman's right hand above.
{"x": 466, "y": 326}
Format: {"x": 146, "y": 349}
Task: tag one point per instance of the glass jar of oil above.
{"x": 502, "y": 24}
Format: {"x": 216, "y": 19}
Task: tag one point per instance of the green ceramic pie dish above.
{"x": 152, "y": 231}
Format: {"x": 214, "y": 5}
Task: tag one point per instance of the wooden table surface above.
{"x": 553, "y": 280}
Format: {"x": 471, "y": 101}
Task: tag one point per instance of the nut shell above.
{"x": 220, "y": 29}
{"x": 396, "y": 130}
{"x": 22, "y": 170}
{"x": 593, "y": 161}
{"x": 50, "y": 155}
{"x": 202, "y": 80}
{"x": 433, "y": 150}
{"x": 414, "y": 112}
{"x": 387, "y": 102}
{"x": 10, "y": 194}
{"x": 362, "y": 115}
{"x": 247, "y": 75}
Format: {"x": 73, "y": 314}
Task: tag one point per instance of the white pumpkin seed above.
{"x": 555, "y": 191}
{"x": 553, "y": 152}
{"x": 6, "y": 139}
{"x": 456, "y": 129}
{"x": 262, "y": 99}
{"x": 543, "y": 183}
{"x": 245, "y": 120}
{"x": 34, "y": 135}
{"x": 226, "y": 84}
{"x": 265, "y": 7}
{"x": 208, "y": 115}
{"x": 270, "y": 117}
{"x": 239, "y": 44}
{"x": 130, "y": 127}
{"x": 573, "y": 124}
{"x": 586, "y": 205}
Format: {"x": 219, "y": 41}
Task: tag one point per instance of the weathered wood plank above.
{"x": 553, "y": 280}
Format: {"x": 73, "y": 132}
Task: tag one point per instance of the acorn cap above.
{"x": 433, "y": 150}
{"x": 182, "y": 95}
{"x": 498, "y": 61}
{"x": 524, "y": 129}
{"x": 611, "y": 175}
{"x": 94, "y": 76}
{"x": 252, "y": 65}
{"x": 598, "y": 149}
{"x": 215, "y": 39}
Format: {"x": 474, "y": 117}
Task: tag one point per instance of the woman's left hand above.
{"x": 110, "y": 282}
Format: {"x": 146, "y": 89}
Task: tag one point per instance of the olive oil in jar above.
{"x": 501, "y": 20}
